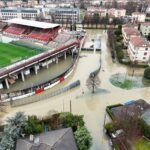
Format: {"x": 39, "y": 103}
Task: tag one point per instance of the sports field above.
{"x": 10, "y": 54}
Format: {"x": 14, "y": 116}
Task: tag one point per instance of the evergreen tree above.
{"x": 13, "y": 131}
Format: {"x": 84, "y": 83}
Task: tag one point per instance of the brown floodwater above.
{"x": 92, "y": 106}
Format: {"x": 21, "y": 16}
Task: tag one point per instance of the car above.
{"x": 117, "y": 133}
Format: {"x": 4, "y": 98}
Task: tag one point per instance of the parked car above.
{"x": 117, "y": 133}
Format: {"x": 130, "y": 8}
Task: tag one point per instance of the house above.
{"x": 145, "y": 28}
{"x": 62, "y": 139}
{"x": 139, "y": 50}
{"x": 138, "y": 17}
{"x": 131, "y": 108}
{"x": 127, "y": 33}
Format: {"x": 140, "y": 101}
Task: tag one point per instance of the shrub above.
{"x": 83, "y": 138}
{"x": 147, "y": 73}
{"x": 120, "y": 55}
{"x": 109, "y": 127}
{"x": 69, "y": 120}
{"x": 144, "y": 128}
{"x": 33, "y": 125}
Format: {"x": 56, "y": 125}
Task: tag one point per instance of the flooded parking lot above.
{"x": 92, "y": 106}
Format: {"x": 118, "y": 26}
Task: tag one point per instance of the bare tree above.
{"x": 93, "y": 82}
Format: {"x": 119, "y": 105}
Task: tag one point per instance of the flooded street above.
{"x": 92, "y": 106}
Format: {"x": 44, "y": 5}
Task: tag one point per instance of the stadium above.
{"x": 27, "y": 44}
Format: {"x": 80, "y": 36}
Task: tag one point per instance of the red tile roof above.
{"x": 146, "y": 24}
{"x": 131, "y": 31}
{"x": 140, "y": 42}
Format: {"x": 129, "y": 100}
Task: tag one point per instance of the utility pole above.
{"x": 70, "y": 107}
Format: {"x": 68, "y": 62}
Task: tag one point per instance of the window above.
{"x": 145, "y": 53}
{"x": 144, "y": 57}
{"x": 146, "y": 48}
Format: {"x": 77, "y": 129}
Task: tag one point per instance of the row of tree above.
{"x": 97, "y": 19}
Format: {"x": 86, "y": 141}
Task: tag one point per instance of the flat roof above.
{"x": 31, "y": 23}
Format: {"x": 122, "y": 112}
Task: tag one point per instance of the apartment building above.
{"x": 22, "y": 13}
{"x": 128, "y": 33}
{"x": 139, "y": 50}
{"x": 112, "y": 13}
{"x": 138, "y": 17}
{"x": 65, "y": 15}
{"x": 145, "y": 28}
{"x": 116, "y": 13}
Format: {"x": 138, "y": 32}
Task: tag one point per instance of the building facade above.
{"x": 127, "y": 33}
{"x": 138, "y": 17}
{"x": 63, "y": 15}
{"x": 22, "y": 13}
{"x": 139, "y": 50}
{"x": 145, "y": 28}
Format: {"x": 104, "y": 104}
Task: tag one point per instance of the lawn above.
{"x": 10, "y": 53}
{"x": 142, "y": 144}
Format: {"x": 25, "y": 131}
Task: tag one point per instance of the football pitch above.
{"x": 10, "y": 54}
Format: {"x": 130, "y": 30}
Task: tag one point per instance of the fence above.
{"x": 29, "y": 100}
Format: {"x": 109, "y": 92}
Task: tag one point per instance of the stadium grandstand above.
{"x": 33, "y": 30}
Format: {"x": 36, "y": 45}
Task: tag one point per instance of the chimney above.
{"x": 31, "y": 138}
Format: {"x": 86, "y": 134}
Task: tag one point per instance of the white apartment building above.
{"x": 145, "y": 28}
{"x": 22, "y": 13}
{"x": 65, "y": 15}
{"x": 92, "y": 10}
{"x": 138, "y": 17}
{"x": 139, "y": 50}
{"x": 127, "y": 33}
{"x": 113, "y": 12}
{"x": 116, "y": 13}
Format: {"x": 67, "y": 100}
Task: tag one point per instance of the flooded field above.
{"x": 92, "y": 106}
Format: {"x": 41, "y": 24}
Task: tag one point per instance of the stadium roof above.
{"x": 31, "y": 23}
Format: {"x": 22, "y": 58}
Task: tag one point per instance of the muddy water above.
{"x": 87, "y": 104}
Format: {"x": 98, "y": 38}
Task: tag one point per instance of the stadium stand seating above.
{"x": 15, "y": 29}
{"x": 42, "y": 35}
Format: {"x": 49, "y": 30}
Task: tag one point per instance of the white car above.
{"x": 118, "y": 132}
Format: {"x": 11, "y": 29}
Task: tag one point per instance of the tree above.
{"x": 13, "y": 131}
{"x": 145, "y": 128}
{"x": 148, "y": 37}
{"x": 93, "y": 82}
{"x": 33, "y": 125}
{"x": 147, "y": 73}
{"x": 96, "y": 19}
{"x": 83, "y": 138}
{"x": 131, "y": 7}
{"x": 69, "y": 120}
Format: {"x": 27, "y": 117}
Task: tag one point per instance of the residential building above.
{"x": 62, "y": 139}
{"x": 65, "y": 15}
{"x": 145, "y": 28}
{"x": 116, "y": 13}
{"x": 92, "y": 10}
{"x": 113, "y": 13}
{"x": 139, "y": 50}
{"x": 127, "y": 33}
{"x": 22, "y": 13}
{"x": 138, "y": 17}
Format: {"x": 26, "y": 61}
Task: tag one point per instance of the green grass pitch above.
{"x": 10, "y": 54}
